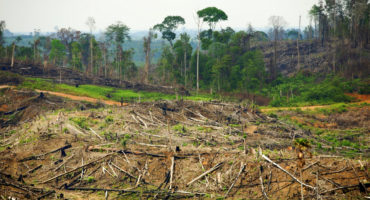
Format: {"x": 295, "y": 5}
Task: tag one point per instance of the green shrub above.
{"x": 89, "y": 179}
{"x": 125, "y": 139}
{"x": 82, "y": 122}
{"x": 109, "y": 119}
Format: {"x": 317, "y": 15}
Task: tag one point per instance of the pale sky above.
{"x": 27, "y": 15}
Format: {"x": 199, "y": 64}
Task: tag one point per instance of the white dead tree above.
{"x": 90, "y": 22}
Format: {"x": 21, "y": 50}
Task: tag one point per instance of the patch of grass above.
{"x": 90, "y": 179}
{"x": 104, "y": 92}
{"x": 179, "y": 128}
{"x": 312, "y": 89}
{"x": 204, "y": 129}
{"x": 125, "y": 139}
{"x": 65, "y": 130}
{"x": 109, "y": 119}
{"x": 26, "y": 140}
{"x": 235, "y": 125}
{"x": 82, "y": 122}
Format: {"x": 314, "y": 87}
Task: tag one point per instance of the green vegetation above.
{"x": 89, "y": 179}
{"x": 309, "y": 89}
{"x": 82, "y": 122}
{"x": 125, "y": 140}
{"x": 350, "y": 142}
{"x": 101, "y": 92}
{"x": 179, "y": 128}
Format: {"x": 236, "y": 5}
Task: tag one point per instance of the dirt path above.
{"x": 74, "y": 97}
{"x": 82, "y": 98}
{"x": 364, "y": 98}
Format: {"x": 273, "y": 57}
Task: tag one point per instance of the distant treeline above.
{"x": 215, "y": 59}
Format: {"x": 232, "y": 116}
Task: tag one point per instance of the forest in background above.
{"x": 219, "y": 61}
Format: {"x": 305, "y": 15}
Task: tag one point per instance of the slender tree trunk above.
{"x": 275, "y": 56}
{"x": 198, "y": 65}
{"x": 147, "y": 59}
{"x": 34, "y": 52}
{"x": 91, "y": 55}
{"x": 105, "y": 64}
{"x": 13, "y": 51}
{"x": 335, "y": 46}
{"x": 185, "y": 67}
{"x": 298, "y": 60}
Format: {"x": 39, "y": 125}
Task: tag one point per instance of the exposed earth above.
{"x": 67, "y": 148}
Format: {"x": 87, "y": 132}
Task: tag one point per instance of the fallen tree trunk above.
{"x": 242, "y": 167}
{"x": 205, "y": 173}
{"x": 75, "y": 169}
{"x": 179, "y": 192}
{"x": 41, "y": 155}
{"x": 285, "y": 171}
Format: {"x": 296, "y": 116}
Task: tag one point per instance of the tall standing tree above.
{"x": 67, "y": 36}
{"x": 2, "y": 28}
{"x": 14, "y": 44}
{"x": 199, "y": 23}
{"x": 58, "y": 53}
{"x": 36, "y": 42}
{"x": 210, "y": 15}
{"x": 168, "y": 27}
{"x": 104, "y": 49}
{"x": 76, "y": 56}
{"x": 277, "y": 23}
{"x": 185, "y": 39}
{"x": 90, "y": 22}
{"x": 118, "y": 33}
{"x": 147, "y": 51}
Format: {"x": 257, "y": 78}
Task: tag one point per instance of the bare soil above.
{"x": 128, "y": 153}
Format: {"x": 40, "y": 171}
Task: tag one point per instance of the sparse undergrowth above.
{"x": 104, "y": 92}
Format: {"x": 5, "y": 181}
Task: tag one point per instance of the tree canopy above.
{"x": 168, "y": 26}
{"x": 212, "y": 16}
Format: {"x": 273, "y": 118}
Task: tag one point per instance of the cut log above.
{"x": 96, "y": 133}
{"x": 207, "y": 172}
{"x": 242, "y": 167}
{"x": 171, "y": 171}
{"x": 56, "y": 169}
{"x": 75, "y": 169}
{"x": 44, "y": 154}
{"x": 285, "y": 171}
{"x": 130, "y": 175}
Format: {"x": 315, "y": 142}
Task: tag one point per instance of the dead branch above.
{"x": 46, "y": 194}
{"x": 242, "y": 167}
{"x": 142, "y": 121}
{"x": 171, "y": 171}
{"x": 201, "y": 164}
{"x": 345, "y": 187}
{"x": 137, "y": 191}
{"x": 110, "y": 166}
{"x": 207, "y": 172}
{"x": 34, "y": 169}
{"x": 310, "y": 165}
{"x": 56, "y": 169}
{"x": 96, "y": 133}
{"x": 44, "y": 154}
{"x": 151, "y": 145}
{"x": 261, "y": 183}
{"x": 130, "y": 175}
{"x": 282, "y": 169}
{"x": 75, "y": 169}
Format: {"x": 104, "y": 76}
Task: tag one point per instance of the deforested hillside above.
{"x": 184, "y": 99}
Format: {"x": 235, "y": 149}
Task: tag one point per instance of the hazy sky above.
{"x": 26, "y": 15}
